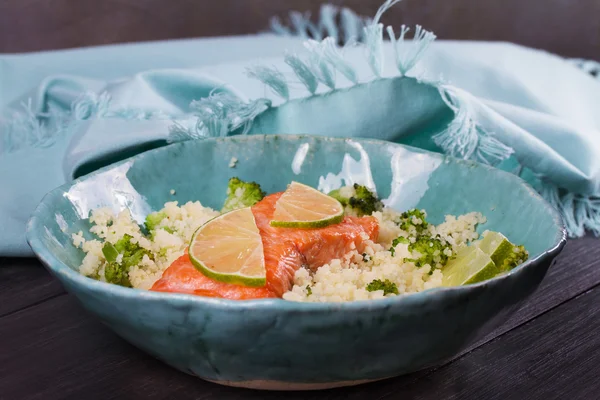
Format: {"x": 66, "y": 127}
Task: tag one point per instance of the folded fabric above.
{"x": 39, "y": 117}
{"x": 522, "y": 110}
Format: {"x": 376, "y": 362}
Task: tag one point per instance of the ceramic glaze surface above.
{"x": 278, "y": 344}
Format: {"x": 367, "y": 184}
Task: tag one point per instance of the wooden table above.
{"x": 50, "y": 348}
{"x": 567, "y": 27}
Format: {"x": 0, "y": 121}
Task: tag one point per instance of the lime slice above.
{"x": 304, "y": 207}
{"x": 229, "y": 249}
{"x": 496, "y": 245}
{"x": 499, "y": 248}
{"x": 471, "y": 265}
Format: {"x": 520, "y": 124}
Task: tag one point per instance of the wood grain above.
{"x": 56, "y": 350}
{"x": 23, "y": 283}
{"x": 567, "y": 27}
{"x": 555, "y": 356}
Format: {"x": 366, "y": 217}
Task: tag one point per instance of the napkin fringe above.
{"x": 589, "y": 66}
{"x": 271, "y": 77}
{"x": 28, "y": 128}
{"x": 580, "y": 213}
{"x": 408, "y": 53}
{"x": 349, "y": 29}
{"x": 373, "y": 34}
{"x": 464, "y": 138}
{"x": 324, "y": 58}
{"x": 326, "y": 52}
{"x": 218, "y": 115}
{"x": 303, "y": 72}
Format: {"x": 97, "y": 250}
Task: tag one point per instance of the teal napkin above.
{"x": 67, "y": 113}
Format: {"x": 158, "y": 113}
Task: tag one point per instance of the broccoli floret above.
{"x": 413, "y": 219}
{"x": 115, "y": 273}
{"x": 153, "y": 219}
{"x": 242, "y": 194}
{"x": 132, "y": 252}
{"x": 387, "y": 286}
{"x": 118, "y": 272}
{"x": 308, "y": 290}
{"x": 431, "y": 249}
{"x": 518, "y": 256}
{"x": 396, "y": 242}
{"x": 360, "y": 199}
{"x": 152, "y": 222}
{"x": 364, "y": 201}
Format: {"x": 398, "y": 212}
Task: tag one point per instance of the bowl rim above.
{"x": 64, "y": 272}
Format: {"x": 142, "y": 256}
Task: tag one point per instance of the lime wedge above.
{"x": 301, "y": 206}
{"x": 229, "y": 249}
{"x": 471, "y": 265}
{"x": 504, "y": 254}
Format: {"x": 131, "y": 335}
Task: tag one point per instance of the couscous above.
{"x": 361, "y": 250}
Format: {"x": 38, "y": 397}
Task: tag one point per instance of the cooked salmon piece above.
{"x": 183, "y": 277}
{"x": 285, "y": 249}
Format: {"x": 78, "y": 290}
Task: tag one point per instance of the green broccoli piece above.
{"x": 430, "y": 249}
{"x": 362, "y": 200}
{"x": 110, "y": 252}
{"x": 115, "y": 273}
{"x": 153, "y": 219}
{"x": 118, "y": 272}
{"x": 518, "y": 256}
{"x": 242, "y": 194}
{"x": 132, "y": 252}
{"x": 396, "y": 242}
{"x": 387, "y": 286}
{"x": 308, "y": 290}
{"x": 413, "y": 218}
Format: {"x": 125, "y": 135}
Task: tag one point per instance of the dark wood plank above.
{"x": 28, "y": 25}
{"x": 56, "y": 350}
{"x": 24, "y": 282}
{"x": 556, "y": 356}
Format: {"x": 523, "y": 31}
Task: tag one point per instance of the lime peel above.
{"x": 505, "y": 254}
{"x": 496, "y": 245}
{"x": 229, "y": 249}
{"x": 471, "y": 265}
{"x": 302, "y": 206}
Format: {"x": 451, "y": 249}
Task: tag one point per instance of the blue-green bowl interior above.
{"x": 433, "y": 324}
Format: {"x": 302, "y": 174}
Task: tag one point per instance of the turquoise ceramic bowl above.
{"x": 275, "y": 344}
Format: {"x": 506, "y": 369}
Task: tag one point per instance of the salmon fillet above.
{"x": 183, "y": 277}
{"x": 285, "y": 249}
